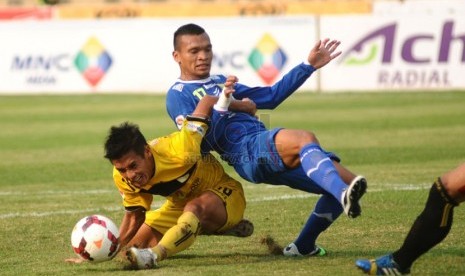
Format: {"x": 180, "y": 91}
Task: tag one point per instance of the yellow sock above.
{"x": 178, "y": 237}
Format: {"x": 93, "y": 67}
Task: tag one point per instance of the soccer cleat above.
{"x": 352, "y": 196}
{"x": 384, "y": 265}
{"x": 243, "y": 229}
{"x": 142, "y": 258}
{"x": 292, "y": 251}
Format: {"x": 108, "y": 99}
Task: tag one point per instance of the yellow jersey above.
{"x": 181, "y": 171}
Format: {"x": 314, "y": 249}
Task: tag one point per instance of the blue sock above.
{"x": 327, "y": 210}
{"x": 320, "y": 168}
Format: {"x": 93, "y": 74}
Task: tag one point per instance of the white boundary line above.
{"x": 397, "y": 187}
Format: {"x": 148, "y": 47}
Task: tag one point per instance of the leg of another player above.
{"x": 206, "y": 212}
{"x": 454, "y": 183}
{"x": 435, "y": 222}
{"x": 429, "y": 229}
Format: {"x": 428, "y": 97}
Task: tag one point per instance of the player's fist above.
{"x": 229, "y": 85}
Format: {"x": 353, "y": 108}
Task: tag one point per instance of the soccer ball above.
{"x": 95, "y": 238}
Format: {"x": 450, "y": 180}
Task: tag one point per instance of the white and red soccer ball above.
{"x": 95, "y": 238}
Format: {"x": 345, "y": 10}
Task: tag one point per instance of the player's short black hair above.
{"x": 122, "y": 139}
{"x": 188, "y": 29}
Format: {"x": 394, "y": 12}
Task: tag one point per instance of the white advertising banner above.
{"x": 403, "y": 52}
{"x": 75, "y": 56}
{"x": 380, "y": 52}
{"x": 135, "y": 55}
{"x": 259, "y": 51}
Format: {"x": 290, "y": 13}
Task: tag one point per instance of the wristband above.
{"x": 223, "y": 102}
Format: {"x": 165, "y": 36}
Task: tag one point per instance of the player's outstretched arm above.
{"x": 132, "y": 221}
{"x": 323, "y": 52}
{"x": 269, "y": 97}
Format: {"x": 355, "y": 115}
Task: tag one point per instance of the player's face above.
{"x": 136, "y": 169}
{"x": 194, "y": 55}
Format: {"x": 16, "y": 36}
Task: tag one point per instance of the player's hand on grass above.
{"x": 323, "y": 52}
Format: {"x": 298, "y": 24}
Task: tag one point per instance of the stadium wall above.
{"x": 392, "y": 48}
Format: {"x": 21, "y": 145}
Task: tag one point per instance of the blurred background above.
{"x": 125, "y": 46}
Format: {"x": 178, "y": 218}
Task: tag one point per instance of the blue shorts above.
{"x": 261, "y": 163}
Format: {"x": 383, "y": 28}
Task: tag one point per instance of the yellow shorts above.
{"x": 229, "y": 190}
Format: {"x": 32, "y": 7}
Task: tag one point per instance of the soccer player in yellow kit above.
{"x": 201, "y": 197}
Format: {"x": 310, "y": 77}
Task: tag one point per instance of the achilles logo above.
{"x": 409, "y": 49}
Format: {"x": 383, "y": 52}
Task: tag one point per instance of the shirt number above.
{"x": 199, "y": 93}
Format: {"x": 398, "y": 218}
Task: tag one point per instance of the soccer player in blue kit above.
{"x": 278, "y": 156}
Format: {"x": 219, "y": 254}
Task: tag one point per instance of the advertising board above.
{"x": 136, "y": 56}
{"x": 415, "y": 52}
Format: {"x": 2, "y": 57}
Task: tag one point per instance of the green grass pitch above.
{"x": 52, "y": 173}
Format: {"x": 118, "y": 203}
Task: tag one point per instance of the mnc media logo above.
{"x": 267, "y": 59}
{"x": 367, "y": 50}
{"x": 93, "y": 61}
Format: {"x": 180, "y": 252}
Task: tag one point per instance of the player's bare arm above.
{"x": 323, "y": 52}
{"x": 130, "y": 224}
{"x": 246, "y": 105}
{"x": 204, "y": 108}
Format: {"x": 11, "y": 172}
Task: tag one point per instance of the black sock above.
{"x": 430, "y": 227}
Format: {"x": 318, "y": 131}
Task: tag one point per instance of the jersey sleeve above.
{"x": 269, "y": 97}
{"x": 178, "y": 106}
{"x": 131, "y": 196}
{"x": 186, "y": 143}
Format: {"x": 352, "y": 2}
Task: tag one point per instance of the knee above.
{"x": 203, "y": 212}
{"x": 198, "y": 209}
{"x": 211, "y": 214}
{"x": 307, "y": 137}
{"x": 454, "y": 189}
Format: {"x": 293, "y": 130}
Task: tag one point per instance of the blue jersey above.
{"x": 231, "y": 133}
{"x": 226, "y": 129}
